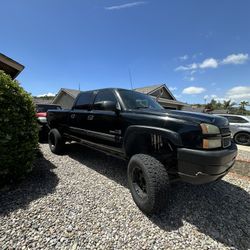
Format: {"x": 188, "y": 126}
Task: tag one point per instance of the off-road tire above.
{"x": 156, "y": 183}
{"x": 56, "y": 141}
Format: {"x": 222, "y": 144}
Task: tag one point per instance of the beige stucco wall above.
{"x": 65, "y": 101}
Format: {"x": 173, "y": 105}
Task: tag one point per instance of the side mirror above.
{"x": 106, "y": 105}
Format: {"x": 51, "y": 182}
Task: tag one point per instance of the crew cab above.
{"x": 161, "y": 146}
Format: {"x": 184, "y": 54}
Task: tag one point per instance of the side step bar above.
{"x": 117, "y": 152}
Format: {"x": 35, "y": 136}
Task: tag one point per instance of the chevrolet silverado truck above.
{"x": 161, "y": 146}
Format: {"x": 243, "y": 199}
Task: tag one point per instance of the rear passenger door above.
{"x": 105, "y": 124}
{"x": 79, "y": 114}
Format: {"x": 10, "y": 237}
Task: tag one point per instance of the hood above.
{"x": 188, "y": 116}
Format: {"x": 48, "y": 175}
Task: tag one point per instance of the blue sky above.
{"x": 197, "y": 48}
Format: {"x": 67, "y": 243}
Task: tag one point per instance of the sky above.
{"x": 199, "y": 49}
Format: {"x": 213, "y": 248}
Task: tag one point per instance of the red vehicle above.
{"x": 41, "y": 114}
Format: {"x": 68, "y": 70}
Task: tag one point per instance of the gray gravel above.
{"x": 81, "y": 201}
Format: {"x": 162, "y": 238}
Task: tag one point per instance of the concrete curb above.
{"x": 241, "y": 167}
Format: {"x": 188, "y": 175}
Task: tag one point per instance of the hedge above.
{"x": 18, "y": 130}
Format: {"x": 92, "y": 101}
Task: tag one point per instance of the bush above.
{"x": 18, "y": 130}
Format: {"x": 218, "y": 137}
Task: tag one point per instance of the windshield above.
{"x": 135, "y": 100}
{"x": 44, "y": 108}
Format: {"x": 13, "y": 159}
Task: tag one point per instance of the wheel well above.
{"x": 245, "y": 132}
{"x": 239, "y": 132}
{"x": 149, "y": 143}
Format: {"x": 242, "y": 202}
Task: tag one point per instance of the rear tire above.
{"x": 242, "y": 138}
{"x": 56, "y": 141}
{"x": 149, "y": 183}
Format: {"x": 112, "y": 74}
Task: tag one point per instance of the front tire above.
{"x": 149, "y": 183}
{"x": 242, "y": 138}
{"x": 56, "y": 141}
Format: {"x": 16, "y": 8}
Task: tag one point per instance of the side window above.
{"x": 84, "y": 101}
{"x": 239, "y": 119}
{"x": 230, "y": 118}
{"x": 105, "y": 95}
{"x": 235, "y": 119}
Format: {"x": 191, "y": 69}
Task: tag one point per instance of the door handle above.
{"x": 90, "y": 117}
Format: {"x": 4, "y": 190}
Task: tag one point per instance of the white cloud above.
{"x": 178, "y": 96}
{"x": 172, "y": 88}
{"x": 214, "y": 63}
{"x": 210, "y": 97}
{"x": 240, "y": 93}
{"x": 183, "y": 58}
{"x": 209, "y": 63}
{"x": 48, "y": 94}
{"x": 189, "y": 78}
{"x": 124, "y": 6}
{"x": 193, "y": 90}
{"x": 235, "y": 59}
{"x": 192, "y": 66}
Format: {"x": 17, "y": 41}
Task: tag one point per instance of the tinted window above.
{"x": 84, "y": 101}
{"x": 135, "y": 100}
{"x": 40, "y": 108}
{"x": 105, "y": 95}
{"x": 236, "y": 119}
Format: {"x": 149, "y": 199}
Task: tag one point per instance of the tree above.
{"x": 243, "y": 105}
{"x": 228, "y": 104}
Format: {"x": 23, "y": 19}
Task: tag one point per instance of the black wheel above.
{"x": 149, "y": 183}
{"x": 242, "y": 138}
{"x": 56, "y": 141}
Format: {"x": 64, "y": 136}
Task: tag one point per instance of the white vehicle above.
{"x": 240, "y": 128}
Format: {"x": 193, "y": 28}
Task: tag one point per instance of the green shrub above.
{"x": 18, "y": 130}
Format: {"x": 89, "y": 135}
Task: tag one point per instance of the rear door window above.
{"x": 45, "y": 108}
{"x": 236, "y": 119}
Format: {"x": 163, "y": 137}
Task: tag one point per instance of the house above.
{"x": 163, "y": 95}
{"x": 160, "y": 92}
{"x": 66, "y": 97}
{"x": 9, "y": 66}
{"x": 42, "y": 100}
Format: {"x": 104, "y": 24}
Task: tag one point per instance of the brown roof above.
{"x": 148, "y": 89}
{"x": 9, "y": 66}
{"x": 38, "y": 100}
{"x": 168, "y": 101}
{"x": 71, "y": 92}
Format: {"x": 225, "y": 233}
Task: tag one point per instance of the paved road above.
{"x": 244, "y": 148}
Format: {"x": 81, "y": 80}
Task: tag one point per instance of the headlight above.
{"x": 211, "y": 143}
{"x": 209, "y": 129}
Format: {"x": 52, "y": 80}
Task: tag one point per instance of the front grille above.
{"x": 225, "y": 131}
{"x": 226, "y": 137}
{"x": 226, "y": 141}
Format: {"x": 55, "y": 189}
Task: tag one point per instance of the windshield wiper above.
{"x": 141, "y": 107}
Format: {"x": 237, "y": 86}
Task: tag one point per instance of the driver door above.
{"x": 105, "y": 125}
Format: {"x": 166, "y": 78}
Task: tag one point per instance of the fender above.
{"x": 172, "y": 136}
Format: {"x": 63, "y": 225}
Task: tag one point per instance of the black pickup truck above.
{"x": 161, "y": 145}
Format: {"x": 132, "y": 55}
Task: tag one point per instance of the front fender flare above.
{"x": 134, "y": 130}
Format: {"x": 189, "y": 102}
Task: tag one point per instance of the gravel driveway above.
{"x": 81, "y": 200}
